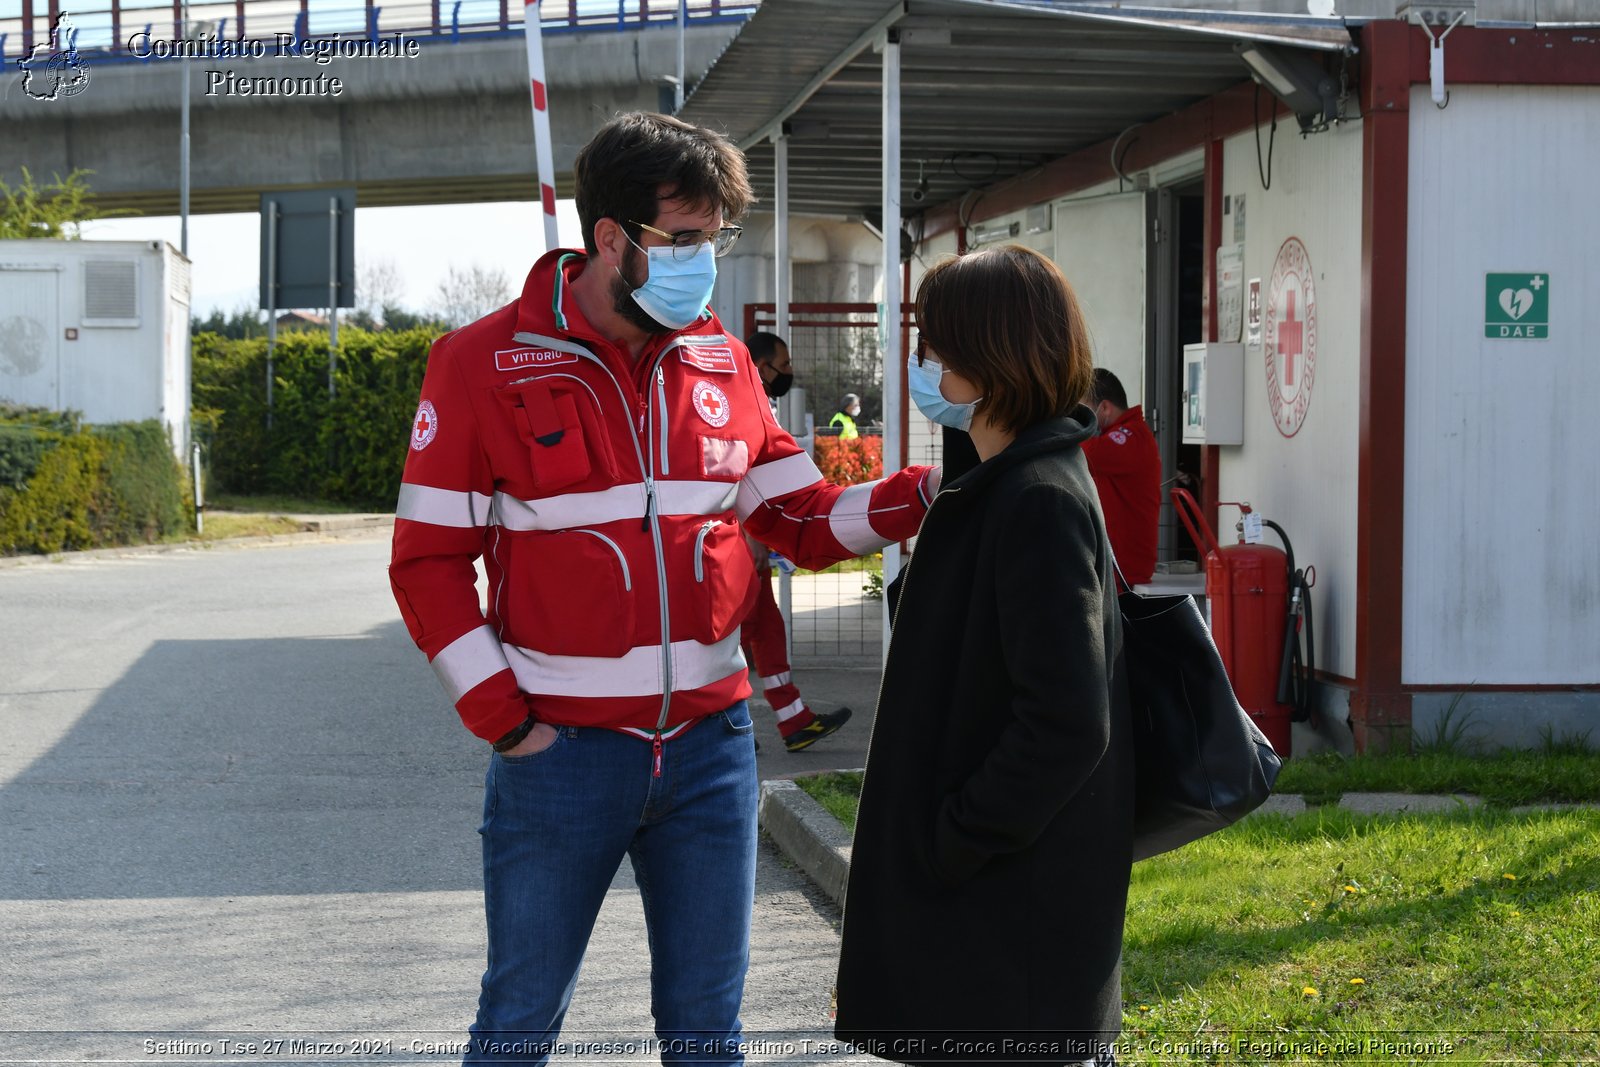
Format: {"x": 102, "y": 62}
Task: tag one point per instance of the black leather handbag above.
{"x": 1201, "y": 763}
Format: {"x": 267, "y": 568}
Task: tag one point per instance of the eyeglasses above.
{"x": 686, "y": 243}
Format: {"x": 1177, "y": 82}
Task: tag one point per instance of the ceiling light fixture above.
{"x": 1296, "y": 79}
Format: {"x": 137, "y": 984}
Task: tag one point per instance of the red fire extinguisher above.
{"x": 1247, "y": 590}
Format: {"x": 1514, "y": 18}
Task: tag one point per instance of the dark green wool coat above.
{"x": 989, "y": 877}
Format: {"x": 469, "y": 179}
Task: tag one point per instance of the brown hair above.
{"x": 1007, "y": 320}
{"x": 640, "y": 159}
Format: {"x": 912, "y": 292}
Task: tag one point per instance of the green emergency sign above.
{"x": 1516, "y": 306}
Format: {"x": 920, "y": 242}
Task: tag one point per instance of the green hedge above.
{"x": 350, "y": 448}
{"x": 67, "y": 486}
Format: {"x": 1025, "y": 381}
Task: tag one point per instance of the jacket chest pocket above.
{"x": 725, "y": 582}
{"x": 556, "y": 417}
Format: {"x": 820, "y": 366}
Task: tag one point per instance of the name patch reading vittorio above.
{"x": 524, "y": 358}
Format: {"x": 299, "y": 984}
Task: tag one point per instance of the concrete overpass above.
{"x": 450, "y": 124}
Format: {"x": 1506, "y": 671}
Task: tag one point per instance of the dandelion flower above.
{"x": 1508, "y": 876}
{"x": 1358, "y": 981}
{"x": 1144, "y": 1007}
{"x": 1350, "y": 889}
{"x": 1516, "y": 915}
{"x": 1310, "y": 991}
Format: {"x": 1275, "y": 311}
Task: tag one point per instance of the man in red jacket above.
{"x": 603, "y": 445}
{"x": 1126, "y": 465}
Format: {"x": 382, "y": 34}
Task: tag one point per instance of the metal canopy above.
{"x": 988, "y": 89}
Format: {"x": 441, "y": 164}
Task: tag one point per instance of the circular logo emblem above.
{"x": 711, "y": 403}
{"x": 425, "y": 427}
{"x": 1289, "y": 337}
{"x": 67, "y": 76}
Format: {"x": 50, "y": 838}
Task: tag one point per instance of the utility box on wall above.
{"x": 97, "y": 327}
{"x": 1213, "y": 394}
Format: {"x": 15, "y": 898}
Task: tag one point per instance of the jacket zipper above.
{"x": 652, "y": 521}
{"x": 572, "y": 377}
{"x": 494, "y": 552}
{"x": 699, "y": 549}
{"x": 653, "y": 517}
{"x": 653, "y": 524}
{"x": 627, "y": 576}
{"x": 661, "y": 395}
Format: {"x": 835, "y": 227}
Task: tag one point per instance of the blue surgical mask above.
{"x": 676, "y": 291}
{"x": 922, "y": 379}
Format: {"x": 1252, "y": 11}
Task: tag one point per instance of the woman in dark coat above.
{"x": 989, "y": 879}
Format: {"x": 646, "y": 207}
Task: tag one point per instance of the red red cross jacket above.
{"x": 606, "y": 498}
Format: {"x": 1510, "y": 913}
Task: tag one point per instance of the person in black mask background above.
{"x": 765, "y": 641}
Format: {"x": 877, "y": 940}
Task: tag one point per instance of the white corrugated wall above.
{"x": 1502, "y": 573}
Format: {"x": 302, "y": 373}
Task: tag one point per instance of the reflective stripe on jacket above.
{"x": 608, "y": 500}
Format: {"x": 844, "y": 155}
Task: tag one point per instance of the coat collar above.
{"x": 1052, "y": 435}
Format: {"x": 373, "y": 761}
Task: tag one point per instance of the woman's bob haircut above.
{"x": 1006, "y": 319}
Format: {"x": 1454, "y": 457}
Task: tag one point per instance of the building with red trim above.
{"x": 1416, "y": 406}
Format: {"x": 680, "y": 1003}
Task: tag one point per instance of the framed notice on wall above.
{"x": 1230, "y": 292}
{"x": 1252, "y": 313}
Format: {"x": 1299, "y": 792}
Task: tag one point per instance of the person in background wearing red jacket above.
{"x": 766, "y": 641}
{"x": 603, "y": 445}
{"x": 1126, "y": 465}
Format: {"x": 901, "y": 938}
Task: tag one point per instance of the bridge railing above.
{"x": 141, "y": 31}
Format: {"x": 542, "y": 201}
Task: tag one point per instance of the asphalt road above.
{"x": 235, "y": 806}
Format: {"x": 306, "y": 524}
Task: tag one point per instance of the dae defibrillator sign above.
{"x": 1516, "y": 306}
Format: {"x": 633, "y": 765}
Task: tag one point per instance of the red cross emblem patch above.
{"x": 711, "y": 403}
{"x": 425, "y": 427}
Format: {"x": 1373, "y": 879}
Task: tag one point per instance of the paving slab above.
{"x": 1282, "y": 804}
{"x": 1384, "y": 803}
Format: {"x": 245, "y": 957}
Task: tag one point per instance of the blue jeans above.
{"x": 556, "y": 826}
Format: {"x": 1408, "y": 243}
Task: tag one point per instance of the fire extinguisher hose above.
{"x": 1296, "y": 670}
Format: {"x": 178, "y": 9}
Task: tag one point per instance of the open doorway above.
{"x": 1174, "y": 303}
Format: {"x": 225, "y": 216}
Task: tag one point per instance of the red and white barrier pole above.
{"x": 533, "y": 31}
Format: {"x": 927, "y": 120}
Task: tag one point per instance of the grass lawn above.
{"x": 277, "y": 505}
{"x": 1332, "y": 937}
{"x": 220, "y": 525}
{"x": 838, "y": 791}
{"x": 1479, "y": 929}
{"x": 1563, "y": 773}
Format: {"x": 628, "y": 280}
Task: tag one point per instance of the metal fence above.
{"x": 835, "y": 615}
{"x": 108, "y": 30}
{"x": 835, "y": 351}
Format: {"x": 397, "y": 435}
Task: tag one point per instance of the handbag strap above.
{"x": 1126, "y": 585}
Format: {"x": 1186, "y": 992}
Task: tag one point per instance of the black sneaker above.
{"x": 823, "y": 725}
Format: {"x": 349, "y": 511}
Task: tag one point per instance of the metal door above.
{"x": 30, "y": 336}
{"x": 1163, "y": 355}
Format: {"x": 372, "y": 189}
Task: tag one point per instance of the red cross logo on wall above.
{"x": 1291, "y": 340}
{"x": 1289, "y": 336}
